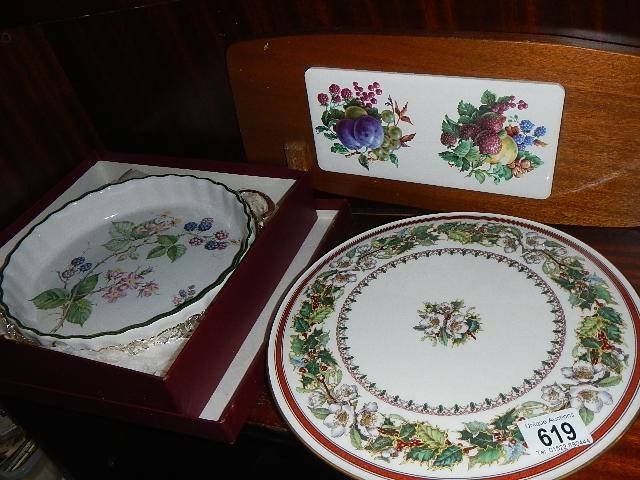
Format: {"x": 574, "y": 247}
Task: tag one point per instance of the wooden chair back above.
{"x": 598, "y": 158}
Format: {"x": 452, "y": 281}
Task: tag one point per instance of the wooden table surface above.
{"x": 621, "y": 246}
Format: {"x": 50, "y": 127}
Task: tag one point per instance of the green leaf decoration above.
{"x": 373, "y": 112}
{"x": 535, "y": 160}
{"x": 380, "y": 443}
{"x": 476, "y": 427}
{"x": 317, "y": 339}
{"x": 167, "y": 240}
{"x": 474, "y": 325}
{"x": 306, "y": 309}
{"x": 473, "y": 155}
{"x": 393, "y": 158}
{"x": 78, "y": 312}
{"x": 450, "y": 157}
{"x": 363, "y": 160}
{"x": 300, "y": 325}
{"x": 313, "y": 368}
{"x": 613, "y": 333}
{"x": 423, "y": 232}
{"x": 421, "y": 454}
{"x": 331, "y": 135}
{"x": 482, "y": 440}
{"x": 121, "y": 229}
{"x": 117, "y": 244}
{"x": 610, "y": 314}
{"x": 467, "y": 109}
{"x": 307, "y": 380}
{"x": 590, "y": 343}
{"x": 331, "y": 117}
{"x": 156, "y": 252}
{"x": 431, "y": 436}
{"x": 321, "y": 129}
{"x": 298, "y": 346}
{"x": 407, "y": 431}
{"x": 480, "y": 176}
{"x": 450, "y": 127}
{"x": 339, "y": 148}
{"x": 320, "y": 413}
{"x": 552, "y": 244}
{"x": 488, "y": 98}
{"x": 326, "y": 357}
{"x": 459, "y": 236}
{"x": 612, "y": 362}
{"x": 319, "y": 315}
{"x": 517, "y": 434}
{"x": 174, "y": 252}
{"x": 589, "y": 327}
{"x": 503, "y": 422}
{"x": 444, "y": 339}
{"x": 603, "y": 293}
{"x": 486, "y": 456}
{"x": 610, "y": 381}
{"x": 476, "y": 441}
{"x": 355, "y": 437}
{"x": 352, "y": 102}
{"x": 463, "y": 148}
{"x": 586, "y": 415}
{"x": 323, "y": 339}
{"x": 449, "y": 457}
{"x": 52, "y": 298}
{"x": 85, "y": 286}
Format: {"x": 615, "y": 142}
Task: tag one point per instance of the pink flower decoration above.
{"x": 148, "y": 289}
{"x": 113, "y": 294}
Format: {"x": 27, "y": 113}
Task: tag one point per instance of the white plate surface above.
{"x": 412, "y": 350}
{"x": 125, "y": 261}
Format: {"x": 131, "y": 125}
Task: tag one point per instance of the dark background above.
{"x": 150, "y": 77}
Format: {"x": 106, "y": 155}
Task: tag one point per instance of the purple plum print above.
{"x": 352, "y": 120}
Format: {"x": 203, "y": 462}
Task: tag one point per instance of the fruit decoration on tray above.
{"x": 126, "y": 261}
{"x": 486, "y": 144}
{"x": 82, "y": 282}
{"x": 357, "y": 127}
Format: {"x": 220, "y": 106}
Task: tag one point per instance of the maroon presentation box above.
{"x": 193, "y": 376}
{"x": 250, "y": 382}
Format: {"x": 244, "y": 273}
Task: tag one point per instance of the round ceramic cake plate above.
{"x": 413, "y": 350}
{"x": 125, "y": 262}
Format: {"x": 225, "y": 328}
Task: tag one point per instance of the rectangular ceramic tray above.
{"x": 230, "y": 403}
{"x": 201, "y": 364}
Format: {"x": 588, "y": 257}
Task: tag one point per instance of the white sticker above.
{"x": 555, "y": 433}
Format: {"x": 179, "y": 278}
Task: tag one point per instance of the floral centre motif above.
{"x": 446, "y": 322}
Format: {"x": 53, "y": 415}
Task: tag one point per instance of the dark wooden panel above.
{"x": 595, "y": 179}
{"x": 27, "y": 12}
{"x": 44, "y": 130}
{"x": 154, "y": 79}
